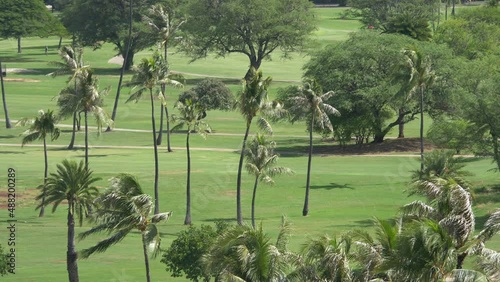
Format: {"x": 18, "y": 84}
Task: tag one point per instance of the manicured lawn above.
{"x": 347, "y": 191}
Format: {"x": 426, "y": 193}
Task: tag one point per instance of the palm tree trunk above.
{"x": 79, "y": 121}
{"x": 60, "y": 42}
{"x": 72, "y": 142}
{"x": 45, "y": 175}
{"x": 146, "y": 258}
{"x": 86, "y": 141}
{"x": 239, "y": 215}
{"x": 453, "y": 7}
{"x": 5, "y": 110}
{"x": 71, "y": 255}
{"x": 253, "y": 200}
{"x": 169, "y": 149}
{"x": 187, "y": 220}
{"x": 160, "y": 132}
{"x": 421, "y": 128}
{"x": 122, "y": 70}
{"x": 19, "y": 50}
{"x": 305, "y": 210}
{"x": 153, "y": 123}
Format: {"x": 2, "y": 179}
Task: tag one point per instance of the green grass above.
{"x": 347, "y": 191}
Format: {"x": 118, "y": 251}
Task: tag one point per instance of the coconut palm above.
{"x": 72, "y": 64}
{"x": 5, "y": 109}
{"x": 41, "y": 126}
{"x": 149, "y": 74}
{"x": 164, "y": 22}
{"x": 122, "y": 70}
{"x": 84, "y": 96}
{"x": 253, "y": 102}
{"x": 191, "y": 116}
{"x": 421, "y": 77}
{"x": 261, "y": 162}
{"x": 244, "y": 253}
{"x": 71, "y": 183}
{"x": 310, "y": 104}
{"x": 450, "y": 205}
{"x": 123, "y": 208}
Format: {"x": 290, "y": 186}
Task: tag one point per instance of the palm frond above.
{"x": 264, "y": 125}
{"x": 161, "y": 217}
{"x": 104, "y": 244}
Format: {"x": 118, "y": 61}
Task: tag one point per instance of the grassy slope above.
{"x": 346, "y": 191}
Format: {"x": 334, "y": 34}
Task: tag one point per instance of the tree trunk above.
{"x": 453, "y": 7}
{"x": 378, "y": 138}
{"x": 496, "y": 149}
{"x": 5, "y": 110}
{"x": 253, "y": 200}
{"x": 122, "y": 70}
{"x": 401, "y": 125}
{"x": 305, "y": 210}
{"x": 60, "y": 42}
{"x": 169, "y": 149}
{"x": 129, "y": 62}
{"x": 153, "y": 123}
{"x": 86, "y": 141}
{"x": 187, "y": 220}
{"x": 160, "y": 132}
{"x": 71, "y": 255}
{"x": 79, "y": 121}
{"x": 45, "y": 175}
{"x": 255, "y": 64}
{"x": 19, "y": 50}
{"x": 421, "y": 128}
{"x": 72, "y": 142}
{"x": 460, "y": 260}
{"x": 163, "y": 89}
{"x": 146, "y": 258}
{"x": 239, "y": 215}
{"x": 446, "y": 11}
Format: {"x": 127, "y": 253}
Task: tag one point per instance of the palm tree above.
{"x": 84, "y": 96}
{"x": 72, "y": 183}
{"x": 421, "y": 77}
{"x": 308, "y": 103}
{"x": 244, "y": 253}
{"x": 5, "y": 109}
{"x": 252, "y": 101}
{"x": 149, "y": 74}
{"x": 191, "y": 116}
{"x": 122, "y": 70}
{"x": 443, "y": 164}
{"x": 450, "y": 205}
{"x": 164, "y": 22}
{"x": 261, "y": 162}
{"x": 72, "y": 64}
{"x": 122, "y": 208}
{"x": 41, "y": 126}
{"x": 324, "y": 259}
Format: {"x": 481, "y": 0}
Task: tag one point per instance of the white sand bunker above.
{"x": 19, "y": 70}
{"x": 117, "y": 60}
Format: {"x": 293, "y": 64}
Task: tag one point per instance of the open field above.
{"x": 347, "y": 191}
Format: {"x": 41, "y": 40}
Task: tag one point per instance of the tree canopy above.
{"x": 254, "y": 28}
{"x": 22, "y": 18}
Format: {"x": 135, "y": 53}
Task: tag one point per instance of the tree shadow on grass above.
{"x": 355, "y": 225}
{"x": 11, "y": 153}
{"x": 332, "y": 186}
{"x": 219, "y": 219}
{"x": 487, "y": 194}
{"x": 8, "y": 136}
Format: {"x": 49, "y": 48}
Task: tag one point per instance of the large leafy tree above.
{"x": 71, "y": 183}
{"x": 244, "y": 253}
{"x": 261, "y": 161}
{"x": 191, "y": 115}
{"x": 254, "y": 28}
{"x": 22, "y": 18}
{"x": 165, "y": 22}
{"x": 149, "y": 75}
{"x": 121, "y": 209}
{"x": 252, "y": 102}
{"x": 95, "y": 21}
{"x": 40, "y": 127}
{"x": 309, "y": 103}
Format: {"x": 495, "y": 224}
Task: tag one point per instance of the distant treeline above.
{"x": 342, "y": 3}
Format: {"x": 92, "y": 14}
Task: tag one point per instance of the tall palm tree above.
{"x": 164, "y": 22}
{"x": 5, "y": 109}
{"x": 261, "y": 162}
{"x": 252, "y": 102}
{"x": 122, "y": 208}
{"x": 84, "y": 96}
{"x": 149, "y": 74}
{"x": 310, "y": 104}
{"x": 191, "y": 116}
{"x": 244, "y": 253}
{"x": 72, "y": 183}
{"x": 122, "y": 70}
{"x": 72, "y": 64}
{"x": 41, "y": 126}
{"x": 421, "y": 77}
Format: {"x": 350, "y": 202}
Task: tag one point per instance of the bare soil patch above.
{"x": 20, "y": 80}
